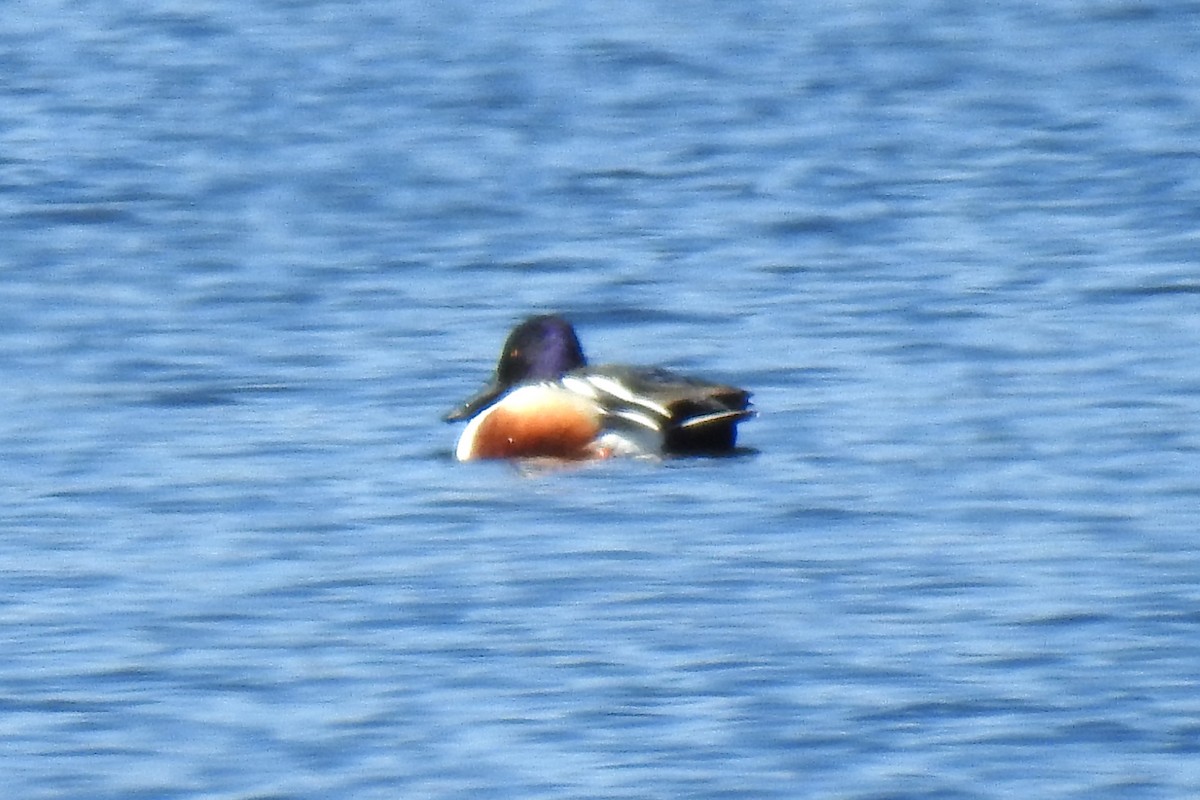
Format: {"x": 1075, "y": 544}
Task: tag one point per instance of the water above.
{"x": 253, "y": 251}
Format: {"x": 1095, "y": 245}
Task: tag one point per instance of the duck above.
{"x": 545, "y": 401}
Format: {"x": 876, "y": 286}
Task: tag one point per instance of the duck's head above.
{"x": 542, "y": 348}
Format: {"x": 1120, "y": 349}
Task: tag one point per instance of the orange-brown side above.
{"x": 534, "y": 421}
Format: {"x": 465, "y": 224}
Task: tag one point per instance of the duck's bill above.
{"x": 481, "y": 399}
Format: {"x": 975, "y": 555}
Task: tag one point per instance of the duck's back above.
{"x": 689, "y": 414}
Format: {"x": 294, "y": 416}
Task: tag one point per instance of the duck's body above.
{"x": 546, "y": 402}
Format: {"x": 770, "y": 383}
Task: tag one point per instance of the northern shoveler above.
{"x": 545, "y": 401}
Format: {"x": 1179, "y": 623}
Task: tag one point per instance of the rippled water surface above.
{"x": 253, "y": 251}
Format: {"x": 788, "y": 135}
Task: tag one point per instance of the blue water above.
{"x": 253, "y": 251}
